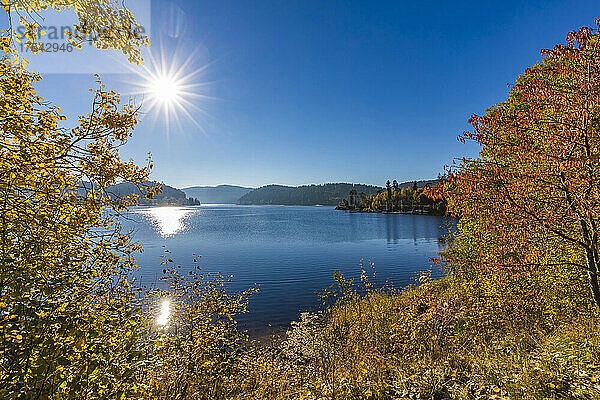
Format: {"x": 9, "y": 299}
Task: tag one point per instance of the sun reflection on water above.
{"x": 165, "y": 310}
{"x": 168, "y": 220}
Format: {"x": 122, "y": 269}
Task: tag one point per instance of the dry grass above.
{"x": 423, "y": 343}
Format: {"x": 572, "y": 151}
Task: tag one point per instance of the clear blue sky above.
{"x": 333, "y": 91}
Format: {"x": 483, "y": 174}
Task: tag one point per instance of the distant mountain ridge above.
{"x": 221, "y": 194}
{"x": 328, "y": 194}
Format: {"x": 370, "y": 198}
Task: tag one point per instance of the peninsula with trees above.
{"x": 397, "y": 198}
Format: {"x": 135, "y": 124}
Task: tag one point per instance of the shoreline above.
{"x": 416, "y": 212}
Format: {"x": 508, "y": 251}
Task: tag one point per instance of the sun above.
{"x": 165, "y": 89}
{"x": 172, "y": 88}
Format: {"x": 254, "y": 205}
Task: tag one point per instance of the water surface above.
{"x": 291, "y": 252}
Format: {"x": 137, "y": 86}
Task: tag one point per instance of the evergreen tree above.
{"x": 389, "y": 195}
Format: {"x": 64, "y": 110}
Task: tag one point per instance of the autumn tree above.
{"x": 107, "y": 24}
{"x": 532, "y": 197}
{"x": 71, "y": 324}
{"x": 363, "y": 200}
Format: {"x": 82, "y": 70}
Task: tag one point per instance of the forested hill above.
{"x": 309, "y": 195}
{"x": 169, "y": 196}
{"x": 222, "y": 194}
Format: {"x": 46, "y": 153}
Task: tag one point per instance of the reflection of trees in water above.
{"x": 415, "y": 227}
{"x": 355, "y": 227}
{"x": 391, "y": 229}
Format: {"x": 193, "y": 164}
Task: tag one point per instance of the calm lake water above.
{"x": 291, "y": 252}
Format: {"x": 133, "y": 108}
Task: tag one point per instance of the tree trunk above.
{"x": 593, "y": 277}
{"x": 591, "y": 254}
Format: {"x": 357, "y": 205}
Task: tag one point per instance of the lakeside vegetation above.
{"x": 516, "y": 317}
{"x": 396, "y": 198}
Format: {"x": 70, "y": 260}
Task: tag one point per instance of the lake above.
{"x": 291, "y": 252}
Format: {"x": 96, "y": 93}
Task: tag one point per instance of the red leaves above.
{"x": 537, "y": 175}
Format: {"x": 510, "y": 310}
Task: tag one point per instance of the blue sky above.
{"x": 330, "y": 91}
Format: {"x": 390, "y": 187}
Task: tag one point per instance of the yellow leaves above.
{"x": 50, "y": 240}
{"x": 5, "y": 44}
{"x": 104, "y": 23}
{"x": 13, "y": 336}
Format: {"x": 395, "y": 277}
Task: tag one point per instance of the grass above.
{"x": 422, "y": 343}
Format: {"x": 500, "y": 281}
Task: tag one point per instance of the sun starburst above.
{"x": 172, "y": 89}
{"x": 165, "y": 89}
